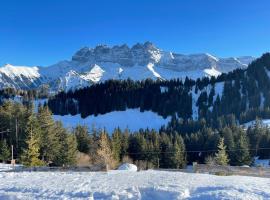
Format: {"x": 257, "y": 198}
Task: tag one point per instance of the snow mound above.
{"x": 128, "y": 167}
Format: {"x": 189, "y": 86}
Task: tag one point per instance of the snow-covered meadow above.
{"x": 132, "y": 119}
{"x": 146, "y": 185}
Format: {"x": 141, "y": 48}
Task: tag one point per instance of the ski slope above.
{"x": 132, "y": 119}
{"x": 126, "y": 185}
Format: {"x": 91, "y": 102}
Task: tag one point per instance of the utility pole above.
{"x": 16, "y": 132}
{"x": 11, "y": 152}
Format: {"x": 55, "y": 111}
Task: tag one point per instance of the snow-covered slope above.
{"x": 116, "y": 119}
{"x": 20, "y": 71}
{"x": 141, "y": 61}
{"x": 127, "y": 185}
{"x": 19, "y": 76}
{"x": 264, "y": 122}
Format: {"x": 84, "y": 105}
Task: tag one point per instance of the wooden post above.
{"x": 12, "y": 158}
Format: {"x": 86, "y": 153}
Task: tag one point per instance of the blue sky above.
{"x": 43, "y": 32}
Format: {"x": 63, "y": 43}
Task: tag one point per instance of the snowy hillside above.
{"x": 115, "y": 119}
{"x": 141, "y": 61}
{"x": 265, "y": 122}
{"x": 124, "y": 185}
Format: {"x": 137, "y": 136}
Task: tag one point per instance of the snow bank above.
{"x": 128, "y": 167}
{"x": 144, "y": 185}
{"x": 132, "y": 119}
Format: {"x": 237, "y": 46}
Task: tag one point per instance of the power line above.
{"x": 200, "y": 151}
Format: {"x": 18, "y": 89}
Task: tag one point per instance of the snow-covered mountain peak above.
{"x": 94, "y": 75}
{"x": 100, "y": 63}
{"x": 19, "y": 71}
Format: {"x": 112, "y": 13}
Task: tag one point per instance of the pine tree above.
{"x": 242, "y": 156}
{"x": 4, "y": 151}
{"x": 82, "y": 138}
{"x": 72, "y": 149}
{"x": 229, "y": 142}
{"x": 124, "y": 144}
{"x": 104, "y": 151}
{"x": 116, "y": 144}
{"x": 94, "y": 145}
{"x": 67, "y": 152}
{"x": 166, "y": 148}
{"x": 179, "y": 155}
{"x": 221, "y": 156}
{"x": 31, "y": 155}
{"x": 49, "y": 146}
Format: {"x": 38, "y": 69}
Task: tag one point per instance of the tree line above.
{"x": 40, "y": 141}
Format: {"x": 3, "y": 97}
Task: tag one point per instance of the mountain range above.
{"x": 92, "y": 65}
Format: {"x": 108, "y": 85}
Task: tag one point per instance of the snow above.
{"x": 128, "y": 167}
{"x": 142, "y": 61}
{"x": 218, "y": 91}
{"x": 261, "y": 162}
{"x": 164, "y": 89}
{"x": 71, "y": 81}
{"x": 127, "y": 185}
{"x": 19, "y": 71}
{"x": 94, "y": 75}
{"x": 8, "y": 167}
{"x": 265, "y": 122}
{"x": 212, "y": 72}
{"x": 132, "y": 119}
{"x": 150, "y": 66}
{"x": 267, "y": 72}
{"x": 38, "y": 102}
{"x": 120, "y": 70}
{"x": 212, "y": 57}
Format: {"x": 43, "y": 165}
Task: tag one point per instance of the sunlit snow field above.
{"x": 146, "y": 185}
{"x": 132, "y": 119}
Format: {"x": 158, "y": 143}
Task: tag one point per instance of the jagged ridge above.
{"x": 141, "y": 61}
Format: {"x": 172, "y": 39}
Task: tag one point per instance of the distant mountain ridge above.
{"x": 141, "y": 61}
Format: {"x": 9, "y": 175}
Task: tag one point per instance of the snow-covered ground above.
{"x": 261, "y": 162}
{"x": 265, "y": 122}
{"x": 145, "y": 185}
{"x": 132, "y": 119}
{"x": 8, "y": 167}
